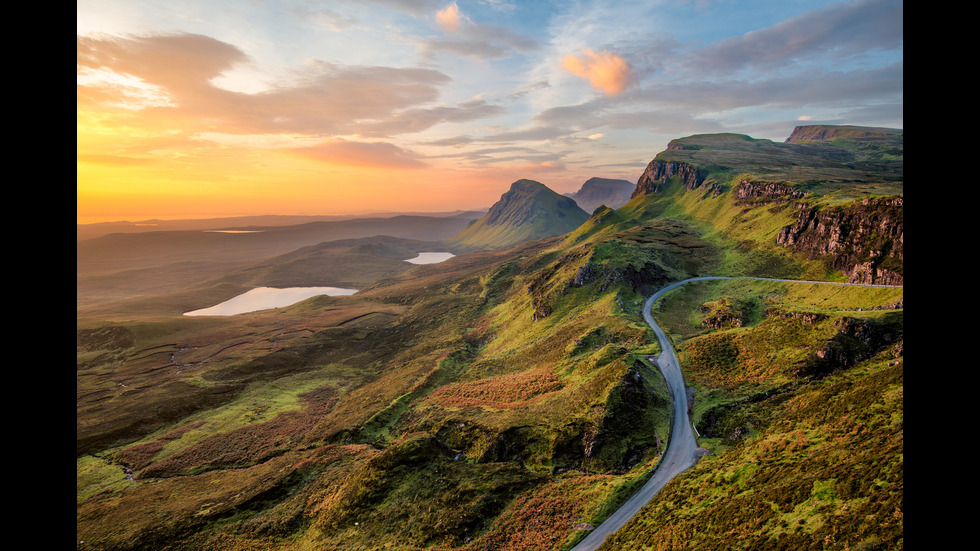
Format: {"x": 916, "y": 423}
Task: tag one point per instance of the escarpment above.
{"x": 864, "y": 240}
{"x": 658, "y": 171}
{"x": 749, "y": 191}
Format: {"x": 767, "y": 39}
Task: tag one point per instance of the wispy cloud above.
{"x": 322, "y": 98}
{"x": 365, "y": 154}
{"x": 478, "y": 41}
{"x": 839, "y": 30}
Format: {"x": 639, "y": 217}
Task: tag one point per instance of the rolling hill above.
{"x": 509, "y": 398}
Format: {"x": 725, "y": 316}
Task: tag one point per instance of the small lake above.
{"x": 264, "y": 298}
{"x": 430, "y": 258}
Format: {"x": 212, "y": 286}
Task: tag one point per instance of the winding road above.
{"x": 682, "y": 450}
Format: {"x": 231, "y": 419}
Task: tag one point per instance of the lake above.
{"x": 263, "y": 298}
{"x": 430, "y": 258}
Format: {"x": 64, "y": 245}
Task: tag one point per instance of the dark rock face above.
{"x": 864, "y": 240}
{"x": 658, "y": 171}
{"x": 748, "y": 191}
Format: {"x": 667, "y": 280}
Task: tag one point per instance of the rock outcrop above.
{"x": 864, "y": 240}
{"x": 658, "y": 171}
{"x": 749, "y": 191}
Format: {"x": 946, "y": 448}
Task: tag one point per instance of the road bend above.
{"x": 682, "y": 450}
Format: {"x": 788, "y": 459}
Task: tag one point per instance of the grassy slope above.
{"x": 797, "y": 462}
{"x": 434, "y": 411}
{"x": 372, "y": 384}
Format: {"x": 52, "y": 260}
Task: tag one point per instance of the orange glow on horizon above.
{"x": 157, "y": 138}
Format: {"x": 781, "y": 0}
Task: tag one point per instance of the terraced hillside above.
{"x": 505, "y": 399}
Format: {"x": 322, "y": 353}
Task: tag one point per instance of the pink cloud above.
{"x": 605, "y": 71}
{"x": 449, "y": 18}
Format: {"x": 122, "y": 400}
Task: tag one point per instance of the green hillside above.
{"x": 528, "y": 210}
{"x": 505, "y": 399}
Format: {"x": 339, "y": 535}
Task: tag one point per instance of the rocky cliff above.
{"x": 751, "y": 191}
{"x": 864, "y": 239}
{"x": 658, "y": 171}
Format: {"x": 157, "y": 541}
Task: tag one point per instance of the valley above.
{"x": 517, "y": 394}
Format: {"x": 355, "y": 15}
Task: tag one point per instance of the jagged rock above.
{"x": 749, "y": 191}
{"x": 658, "y": 171}
{"x": 864, "y": 240}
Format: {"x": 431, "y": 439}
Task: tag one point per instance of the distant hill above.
{"x": 529, "y": 210}
{"x": 603, "y": 191}
{"x": 91, "y": 231}
{"x": 821, "y": 132}
{"x": 122, "y": 251}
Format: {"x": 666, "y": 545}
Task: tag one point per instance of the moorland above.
{"x": 509, "y": 398}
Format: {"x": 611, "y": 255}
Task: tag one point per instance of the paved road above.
{"x": 682, "y": 452}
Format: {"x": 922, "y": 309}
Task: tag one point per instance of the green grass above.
{"x": 497, "y": 400}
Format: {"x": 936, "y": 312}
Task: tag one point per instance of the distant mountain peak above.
{"x": 597, "y": 191}
{"x": 528, "y": 210}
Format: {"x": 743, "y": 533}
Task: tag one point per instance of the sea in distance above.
{"x": 264, "y": 298}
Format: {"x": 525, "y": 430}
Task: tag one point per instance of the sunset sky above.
{"x": 203, "y": 108}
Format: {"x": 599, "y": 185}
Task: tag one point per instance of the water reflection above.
{"x": 430, "y": 258}
{"x": 263, "y": 298}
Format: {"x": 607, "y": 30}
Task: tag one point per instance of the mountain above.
{"x": 603, "y": 191}
{"x": 511, "y": 398}
{"x": 528, "y": 210}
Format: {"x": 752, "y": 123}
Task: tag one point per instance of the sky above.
{"x": 208, "y": 108}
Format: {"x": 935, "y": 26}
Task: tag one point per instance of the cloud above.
{"x": 320, "y": 99}
{"x": 479, "y": 42}
{"x": 366, "y": 154}
{"x": 840, "y": 29}
{"x": 449, "y": 18}
{"x": 606, "y": 71}
{"x": 417, "y": 120}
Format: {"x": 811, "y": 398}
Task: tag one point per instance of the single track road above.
{"x": 682, "y": 449}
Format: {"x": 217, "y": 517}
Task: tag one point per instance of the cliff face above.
{"x": 749, "y": 191}
{"x": 864, "y": 240}
{"x": 658, "y": 171}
